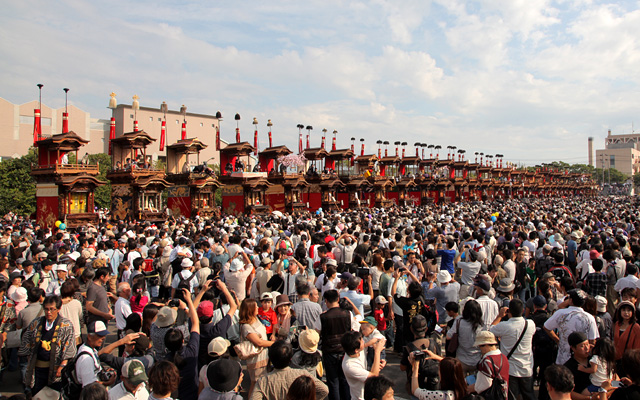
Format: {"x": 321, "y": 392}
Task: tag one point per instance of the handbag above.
{"x": 14, "y": 339}
{"x": 452, "y": 347}
{"x": 246, "y": 350}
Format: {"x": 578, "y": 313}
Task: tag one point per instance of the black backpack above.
{"x": 498, "y": 386}
{"x": 70, "y": 387}
{"x": 185, "y": 283}
{"x": 428, "y": 370}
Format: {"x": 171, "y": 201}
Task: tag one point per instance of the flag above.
{"x": 65, "y": 122}
{"x": 163, "y": 133}
{"x": 112, "y": 134}
{"x": 37, "y": 128}
{"x": 218, "y": 138}
{"x": 184, "y": 131}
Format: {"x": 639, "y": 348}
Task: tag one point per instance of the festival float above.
{"x": 65, "y": 184}
{"x": 136, "y": 183}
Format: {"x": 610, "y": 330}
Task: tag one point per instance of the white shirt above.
{"x": 132, "y": 256}
{"x": 119, "y": 392}
{"x": 569, "y": 320}
{"x": 468, "y": 271}
{"x": 122, "y": 311}
{"x": 355, "y": 370}
{"x": 490, "y": 311}
{"x": 87, "y": 366}
{"x": 510, "y": 267}
{"x": 521, "y": 361}
{"x": 401, "y": 291}
{"x": 628, "y": 281}
{"x": 185, "y": 274}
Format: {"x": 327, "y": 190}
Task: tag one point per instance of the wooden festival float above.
{"x": 64, "y": 189}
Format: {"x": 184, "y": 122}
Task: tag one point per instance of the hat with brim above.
{"x": 308, "y": 340}
{"x": 166, "y": 317}
{"x": 602, "y": 304}
{"x": 186, "y": 263}
{"x": 15, "y": 275}
{"x": 266, "y": 261}
{"x": 223, "y": 374}
{"x": 235, "y": 265}
{"x": 444, "y": 276}
{"x": 485, "y": 337}
{"x": 282, "y": 300}
{"x": 266, "y": 296}
{"x": 219, "y": 250}
{"x": 506, "y": 285}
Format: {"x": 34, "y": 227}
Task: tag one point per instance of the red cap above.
{"x": 205, "y": 309}
{"x": 329, "y": 238}
{"x": 593, "y": 254}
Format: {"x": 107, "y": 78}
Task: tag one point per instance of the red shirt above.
{"x": 379, "y": 316}
{"x": 268, "y": 319}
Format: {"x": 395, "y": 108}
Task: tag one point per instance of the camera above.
{"x": 106, "y": 374}
{"x": 363, "y": 272}
{"x": 174, "y": 303}
{"x": 419, "y": 355}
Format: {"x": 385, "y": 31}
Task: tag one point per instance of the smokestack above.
{"x": 591, "y": 149}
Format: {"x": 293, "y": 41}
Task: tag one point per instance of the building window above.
{"x": 213, "y": 125}
{"x": 159, "y": 119}
{"x": 201, "y": 124}
{"x": 131, "y": 116}
{"x": 150, "y": 119}
{"x": 612, "y": 161}
{"x": 177, "y": 121}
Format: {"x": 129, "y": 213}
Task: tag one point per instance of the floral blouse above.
{"x": 424, "y": 394}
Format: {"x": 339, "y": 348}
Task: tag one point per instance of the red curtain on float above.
{"x": 255, "y": 142}
{"x": 184, "y": 130}
{"x": 217, "y": 139}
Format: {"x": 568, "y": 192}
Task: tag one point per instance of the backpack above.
{"x": 185, "y": 283}
{"x": 499, "y": 389}
{"x": 71, "y": 388}
{"x": 428, "y": 377}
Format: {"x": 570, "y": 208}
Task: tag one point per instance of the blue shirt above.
{"x": 446, "y": 262}
{"x": 357, "y": 299}
{"x": 572, "y": 246}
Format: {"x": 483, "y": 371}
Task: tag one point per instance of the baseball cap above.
{"x": 539, "y": 301}
{"x": 205, "y": 309}
{"x": 266, "y": 296}
{"x": 381, "y": 300}
{"x": 369, "y": 320}
{"x": 346, "y": 275}
{"x": 593, "y": 254}
{"x": 419, "y": 323}
{"x": 218, "y": 346}
{"x": 133, "y": 370}
{"x": 97, "y": 328}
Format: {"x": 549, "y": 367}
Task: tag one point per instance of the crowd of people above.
{"x": 496, "y": 300}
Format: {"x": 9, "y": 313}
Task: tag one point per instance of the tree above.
{"x": 102, "y": 193}
{"x": 17, "y": 186}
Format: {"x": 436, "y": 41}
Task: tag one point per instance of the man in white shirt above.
{"x": 469, "y": 269}
{"x": 87, "y": 361}
{"x": 133, "y": 385}
{"x": 236, "y": 272}
{"x": 489, "y": 307}
{"x": 122, "y": 307}
{"x": 184, "y": 275}
{"x": 354, "y": 363}
{"x": 509, "y": 265}
{"x": 358, "y": 300}
{"x": 630, "y": 280}
{"x": 517, "y": 331}
{"x": 569, "y": 320}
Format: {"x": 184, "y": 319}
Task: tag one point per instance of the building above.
{"x": 621, "y": 152}
{"x": 200, "y": 126}
{"x": 16, "y": 127}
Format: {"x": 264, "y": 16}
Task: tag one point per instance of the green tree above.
{"x": 103, "y": 193}
{"x": 17, "y": 186}
{"x": 636, "y": 180}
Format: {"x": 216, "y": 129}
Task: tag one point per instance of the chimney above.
{"x": 591, "y": 149}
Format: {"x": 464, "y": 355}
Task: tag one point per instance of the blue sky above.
{"x": 530, "y": 79}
